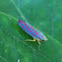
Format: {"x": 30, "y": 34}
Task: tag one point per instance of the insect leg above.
{"x": 31, "y": 40}
{"x": 39, "y": 43}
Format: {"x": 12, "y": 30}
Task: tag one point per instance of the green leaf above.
{"x": 42, "y": 14}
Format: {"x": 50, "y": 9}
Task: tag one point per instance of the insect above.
{"x": 37, "y": 35}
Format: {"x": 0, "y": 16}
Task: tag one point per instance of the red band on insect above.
{"x": 28, "y": 28}
{"x": 33, "y": 30}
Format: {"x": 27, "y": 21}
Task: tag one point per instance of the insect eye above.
{"x": 42, "y": 36}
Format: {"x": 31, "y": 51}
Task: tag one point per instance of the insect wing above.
{"x": 29, "y": 29}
